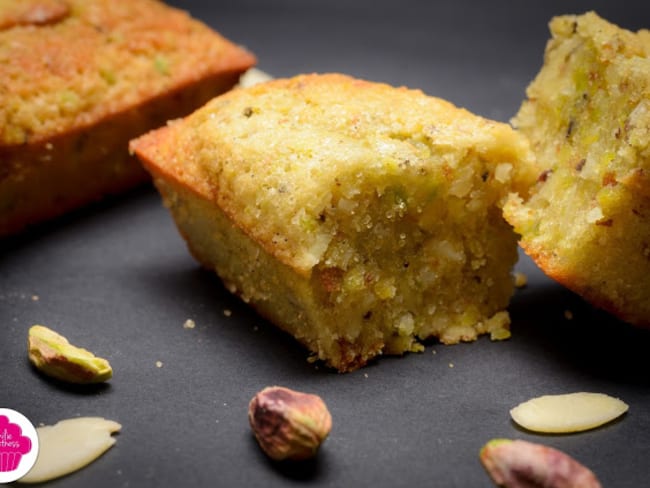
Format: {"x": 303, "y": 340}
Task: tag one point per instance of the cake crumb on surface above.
{"x": 521, "y": 280}
{"x": 500, "y": 334}
{"x": 189, "y": 324}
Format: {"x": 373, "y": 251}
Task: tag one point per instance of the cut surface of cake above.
{"x": 79, "y": 79}
{"x": 359, "y": 217}
{"x": 587, "y": 116}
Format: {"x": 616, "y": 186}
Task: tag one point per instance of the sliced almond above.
{"x": 253, "y": 76}
{"x": 69, "y": 446}
{"x": 572, "y": 412}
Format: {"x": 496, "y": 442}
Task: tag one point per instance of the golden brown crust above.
{"x": 103, "y": 58}
{"x": 587, "y": 285}
{"x": 79, "y": 79}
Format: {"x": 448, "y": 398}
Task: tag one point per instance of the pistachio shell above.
{"x": 522, "y": 464}
{"x": 289, "y": 424}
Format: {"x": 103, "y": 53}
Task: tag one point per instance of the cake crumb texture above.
{"x": 587, "y": 116}
{"x": 359, "y": 217}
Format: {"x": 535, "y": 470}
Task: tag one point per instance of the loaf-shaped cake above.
{"x": 79, "y": 79}
{"x": 358, "y": 217}
{"x": 587, "y": 115}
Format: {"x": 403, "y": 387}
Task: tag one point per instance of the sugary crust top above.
{"x": 66, "y": 64}
{"x": 276, "y": 156}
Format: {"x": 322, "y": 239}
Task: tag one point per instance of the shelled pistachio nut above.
{"x": 53, "y": 355}
{"x": 289, "y": 424}
{"x": 522, "y": 464}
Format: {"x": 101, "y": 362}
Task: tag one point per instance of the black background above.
{"x": 117, "y": 279}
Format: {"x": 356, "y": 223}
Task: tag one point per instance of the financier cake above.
{"x": 587, "y": 223}
{"x": 79, "y": 79}
{"x": 358, "y": 217}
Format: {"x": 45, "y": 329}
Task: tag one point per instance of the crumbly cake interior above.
{"x": 588, "y": 119}
{"x": 361, "y": 218}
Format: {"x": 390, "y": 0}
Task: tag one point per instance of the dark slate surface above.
{"x": 117, "y": 278}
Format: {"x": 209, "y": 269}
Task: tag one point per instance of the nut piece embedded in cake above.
{"x": 358, "y": 217}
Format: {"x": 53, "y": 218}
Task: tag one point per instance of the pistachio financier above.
{"x": 359, "y": 217}
{"x": 587, "y": 223}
